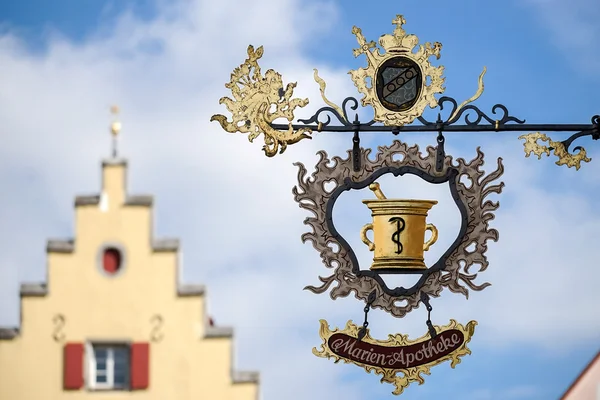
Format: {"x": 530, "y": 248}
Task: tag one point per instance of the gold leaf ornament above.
{"x": 531, "y": 145}
{"x": 257, "y": 102}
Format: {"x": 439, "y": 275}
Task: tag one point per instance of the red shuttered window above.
{"x": 106, "y": 366}
{"x": 73, "y": 366}
{"x": 140, "y": 366}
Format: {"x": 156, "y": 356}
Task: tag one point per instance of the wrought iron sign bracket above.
{"x": 440, "y": 153}
{"x": 356, "y": 145}
{"x": 453, "y": 125}
{"x": 399, "y": 83}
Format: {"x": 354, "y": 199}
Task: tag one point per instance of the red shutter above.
{"x": 140, "y": 365}
{"x": 73, "y": 366}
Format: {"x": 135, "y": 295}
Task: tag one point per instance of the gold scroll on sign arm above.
{"x": 257, "y": 102}
{"x": 564, "y": 157}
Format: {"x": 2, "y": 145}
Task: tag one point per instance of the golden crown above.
{"x": 399, "y": 41}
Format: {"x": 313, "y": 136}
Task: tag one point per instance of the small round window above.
{"x": 111, "y": 260}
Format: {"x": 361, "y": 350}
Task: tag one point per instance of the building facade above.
{"x": 587, "y": 384}
{"x": 111, "y": 321}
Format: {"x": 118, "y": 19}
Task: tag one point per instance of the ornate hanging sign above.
{"x": 398, "y": 354}
{"x": 399, "y": 83}
{"x": 399, "y": 225}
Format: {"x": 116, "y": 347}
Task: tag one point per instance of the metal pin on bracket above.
{"x": 363, "y": 330}
{"x": 425, "y": 300}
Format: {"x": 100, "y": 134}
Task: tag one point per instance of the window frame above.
{"x": 90, "y": 365}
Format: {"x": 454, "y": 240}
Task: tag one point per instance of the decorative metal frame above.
{"x": 450, "y": 270}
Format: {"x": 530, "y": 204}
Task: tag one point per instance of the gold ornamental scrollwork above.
{"x": 399, "y": 82}
{"x": 399, "y": 360}
{"x": 531, "y": 145}
{"x": 401, "y": 70}
{"x": 257, "y": 102}
{"x": 338, "y": 175}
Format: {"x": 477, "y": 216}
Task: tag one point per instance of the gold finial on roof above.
{"x": 115, "y": 128}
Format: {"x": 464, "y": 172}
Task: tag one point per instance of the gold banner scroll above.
{"x": 398, "y": 354}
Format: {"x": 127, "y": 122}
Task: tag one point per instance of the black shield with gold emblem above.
{"x": 398, "y": 83}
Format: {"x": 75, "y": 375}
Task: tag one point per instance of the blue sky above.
{"x": 65, "y": 62}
